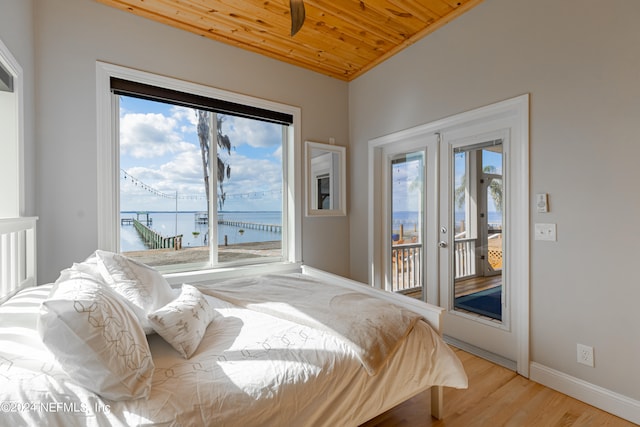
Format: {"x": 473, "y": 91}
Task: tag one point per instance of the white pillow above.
{"x": 89, "y": 267}
{"x": 96, "y": 339}
{"x": 142, "y": 286}
{"x": 183, "y": 321}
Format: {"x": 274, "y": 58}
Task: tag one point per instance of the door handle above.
{"x": 442, "y": 244}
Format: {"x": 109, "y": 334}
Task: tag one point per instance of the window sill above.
{"x": 219, "y": 274}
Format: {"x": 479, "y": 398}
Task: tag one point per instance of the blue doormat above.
{"x": 487, "y": 303}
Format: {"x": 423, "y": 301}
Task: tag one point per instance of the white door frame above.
{"x": 516, "y": 112}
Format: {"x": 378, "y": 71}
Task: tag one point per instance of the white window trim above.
{"x": 108, "y": 167}
{"x": 11, "y": 64}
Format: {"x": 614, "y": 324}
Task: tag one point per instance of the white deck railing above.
{"x": 17, "y": 255}
{"x": 464, "y": 258}
{"x": 406, "y": 266}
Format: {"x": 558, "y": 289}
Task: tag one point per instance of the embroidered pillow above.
{"x": 142, "y": 286}
{"x": 183, "y": 321}
{"x": 87, "y": 268}
{"x": 97, "y": 339}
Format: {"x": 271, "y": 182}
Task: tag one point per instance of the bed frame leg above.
{"x": 436, "y": 402}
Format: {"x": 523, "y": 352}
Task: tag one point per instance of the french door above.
{"x": 449, "y": 225}
{"x": 474, "y": 282}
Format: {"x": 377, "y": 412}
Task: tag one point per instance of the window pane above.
{"x": 250, "y": 195}
{"x": 169, "y": 196}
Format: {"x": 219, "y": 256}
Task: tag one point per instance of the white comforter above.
{"x": 252, "y": 369}
{"x": 372, "y": 327}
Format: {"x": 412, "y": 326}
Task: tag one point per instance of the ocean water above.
{"x": 405, "y": 217}
{"x": 172, "y": 223}
{"x": 167, "y": 223}
{"x": 409, "y": 222}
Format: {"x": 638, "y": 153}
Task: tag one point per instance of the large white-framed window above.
{"x": 11, "y": 136}
{"x": 118, "y": 94}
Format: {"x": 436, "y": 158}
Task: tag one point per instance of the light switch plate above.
{"x": 545, "y": 232}
{"x": 542, "y": 202}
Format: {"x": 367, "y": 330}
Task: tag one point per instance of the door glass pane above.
{"x": 479, "y": 233}
{"x": 494, "y": 227}
{"x": 407, "y": 213}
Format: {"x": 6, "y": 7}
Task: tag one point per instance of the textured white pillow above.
{"x": 87, "y": 268}
{"x": 97, "y": 339}
{"x": 142, "y": 286}
{"x": 183, "y": 321}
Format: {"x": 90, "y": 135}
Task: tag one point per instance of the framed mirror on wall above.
{"x": 325, "y": 179}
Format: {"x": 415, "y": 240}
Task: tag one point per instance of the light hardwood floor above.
{"x": 497, "y": 397}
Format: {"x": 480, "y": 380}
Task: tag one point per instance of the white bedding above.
{"x": 372, "y": 327}
{"x": 251, "y": 369}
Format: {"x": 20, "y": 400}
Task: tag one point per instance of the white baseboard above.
{"x": 607, "y": 400}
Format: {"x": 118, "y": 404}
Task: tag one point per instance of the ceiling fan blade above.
{"x": 297, "y": 15}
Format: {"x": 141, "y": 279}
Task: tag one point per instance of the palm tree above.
{"x": 224, "y": 143}
{"x": 495, "y": 189}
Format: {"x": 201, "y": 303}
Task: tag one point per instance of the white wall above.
{"x": 580, "y": 62}
{"x": 71, "y": 35}
{"x": 16, "y": 32}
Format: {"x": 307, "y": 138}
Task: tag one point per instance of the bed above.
{"x": 301, "y": 351}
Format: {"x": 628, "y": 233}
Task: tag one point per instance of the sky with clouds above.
{"x": 160, "y": 157}
{"x": 407, "y": 183}
{"x": 489, "y": 159}
{"x": 408, "y": 174}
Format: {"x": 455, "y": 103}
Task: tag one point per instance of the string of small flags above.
{"x": 140, "y": 184}
{"x": 135, "y": 181}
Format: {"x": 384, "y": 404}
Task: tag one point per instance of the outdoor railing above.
{"x": 406, "y": 266}
{"x": 464, "y": 258}
{"x": 155, "y": 240}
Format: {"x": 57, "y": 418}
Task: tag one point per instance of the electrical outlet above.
{"x": 585, "y": 355}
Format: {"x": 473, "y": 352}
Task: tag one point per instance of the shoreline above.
{"x": 234, "y": 252}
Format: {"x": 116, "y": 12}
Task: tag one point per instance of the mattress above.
{"x": 251, "y": 368}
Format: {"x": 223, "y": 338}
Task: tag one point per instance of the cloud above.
{"x": 277, "y": 154}
{"x": 252, "y": 132}
{"x": 406, "y": 185}
{"x": 149, "y": 135}
{"x": 253, "y": 175}
{"x": 250, "y": 178}
{"x": 187, "y": 118}
{"x": 182, "y": 174}
{"x": 161, "y": 150}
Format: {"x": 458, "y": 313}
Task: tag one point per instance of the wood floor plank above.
{"x": 497, "y": 397}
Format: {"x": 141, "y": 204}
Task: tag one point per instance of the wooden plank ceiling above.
{"x": 339, "y": 38}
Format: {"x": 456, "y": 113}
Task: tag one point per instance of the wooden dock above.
{"x": 275, "y": 228}
{"x": 130, "y": 221}
{"x": 155, "y": 240}
{"x": 201, "y": 217}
